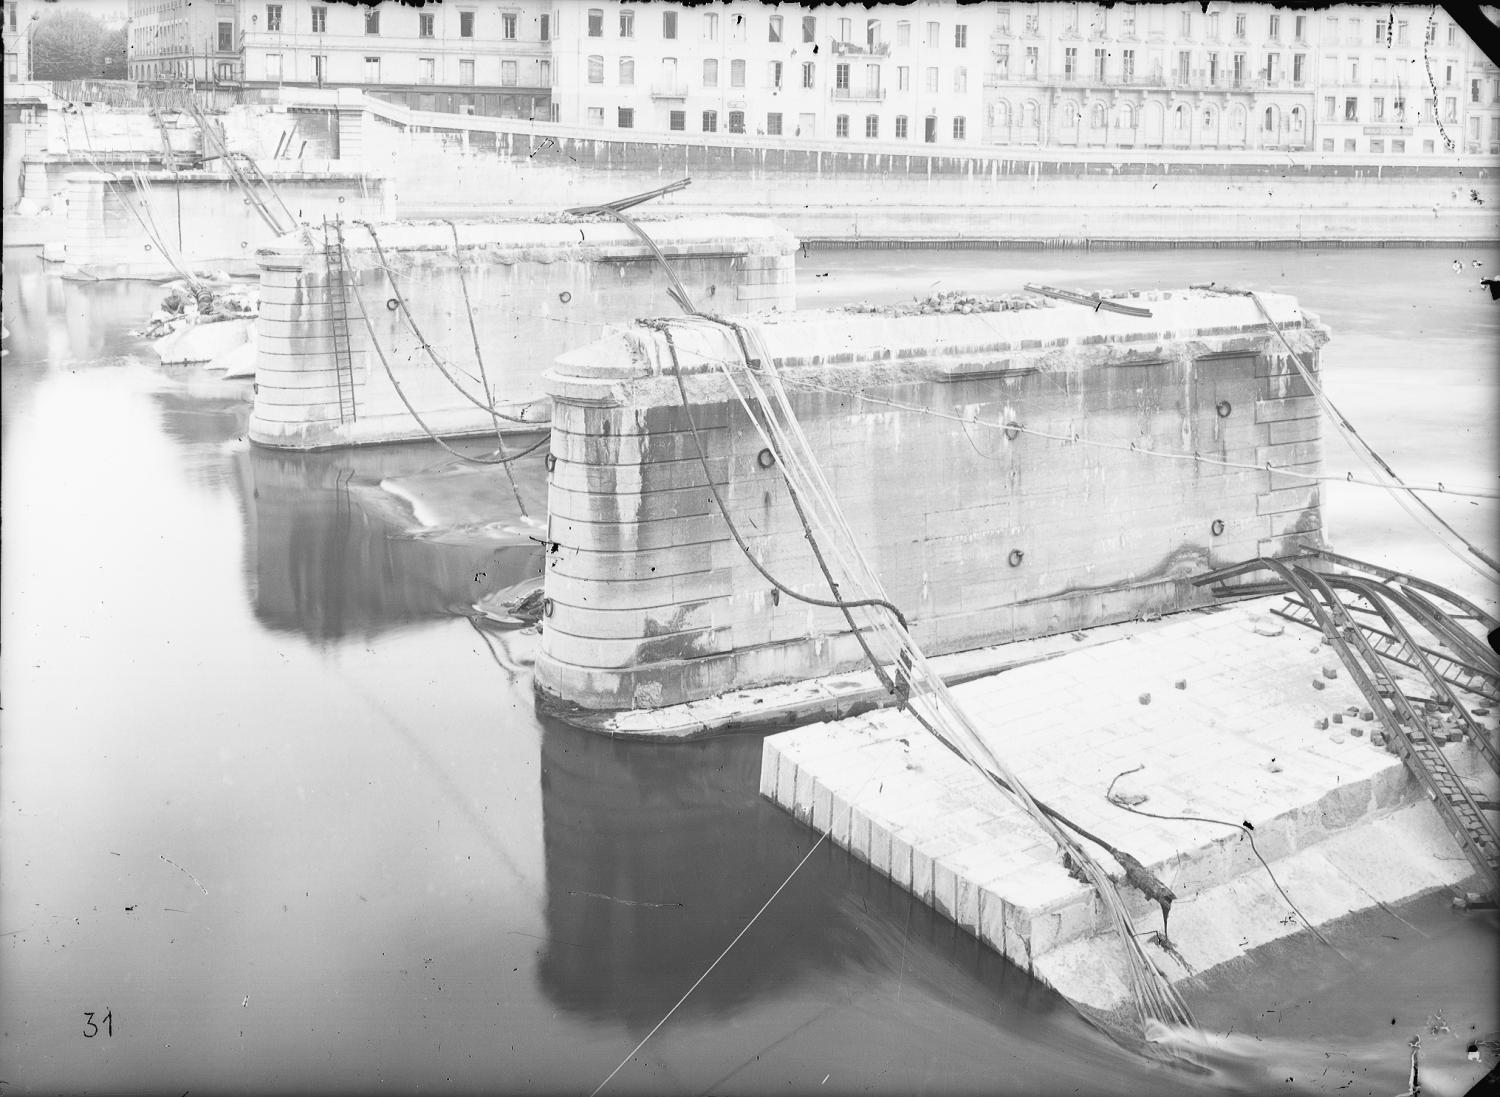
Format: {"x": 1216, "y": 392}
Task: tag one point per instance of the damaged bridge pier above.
{"x": 1023, "y": 470}
{"x": 366, "y": 328}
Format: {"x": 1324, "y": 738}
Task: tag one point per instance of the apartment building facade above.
{"x": 18, "y": 22}
{"x": 1080, "y": 75}
{"x": 882, "y": 73}
{"x": 489, "y": 57}
{"x": 1482, "y": 121}
{"x": 1391, "y": 81}
{"x": 1223, "y": 76}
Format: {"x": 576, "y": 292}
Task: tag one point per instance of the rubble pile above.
{"x": 953, "y": 301}
{"x": 184, "y": 306}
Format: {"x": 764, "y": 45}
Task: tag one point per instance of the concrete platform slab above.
{"x": 1219, "y": 725}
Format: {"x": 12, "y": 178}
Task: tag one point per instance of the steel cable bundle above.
{"x": 900, "y": 663}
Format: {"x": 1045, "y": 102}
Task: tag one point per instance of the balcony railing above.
{"x": 861, "y": 49}
{"x": 669, "y": 91}
{"x": 871, "y": 95}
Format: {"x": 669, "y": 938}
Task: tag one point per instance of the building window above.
{"x": 775, "y": 75}
{"x": 1070, "y": 115}
{"x": 1127, "y": 66}
{"x": 736, "y": 74}
{"x": 1428, "y": 145}
{"x": 1377, "y": 144}
{"x": 1127, "y": 116}
{"x": 710, "y": 26}
{"x": 1239, "y": 26}
{"x": 1450, "y": 109}
{"x": 846, "y": 30}
{"x": 273, "y": 66}
{"x": 1403, "y": 35}
{"x": 1377, "y": 109}
{"x": 710, "y": 121}
{"x": 320, "y": 68}
{"x": 1096, "y": 116}
{"x": 1187, "y": 24}
{"x": 1031, "y": 61}
{"x": 669, "y": 24}
{"x": 627, "y": 72}
{"x": 1002, "y": 61}
{"x": 426, "y": 70}
{"x": 1398, "y": 145}
{"x": 1349, "y": 144}
{"x": 1328, "y": 144}
{"x": 773, "y": 125}
{"x": 425, "y": 23}
{"x": 466, "y": 71}
{"x": 466, "y": 24}
{"x": 226, "y": 37}
{"x": 627, "y": 24}
{"x": 273, "y": 17}
{"x": 903, "y": 78}
{"x": 841, "y": 126}
{"x": 1099, "y": 56}
{"x": 596, "y": 69}
{"x": 961, "y": 35}
{"x": 546, "y": 29}
{"x": 372, "y": 70}
{"x": 677, "y": 120}
{"x": 710, "y": 72}
{"x": 596, "y": 22}
{"x": 319, "y": 19}
{"x": 1398, "y": 106}
{"x": 959, "y": 128}
{"x": 1351, "y": 109}
{"x": 841, "y": 76}
{"x": 508, "y": 25}
{"x": 932, "y": 79}
{"x": 808, "y": 75}
{"x": 903, "y": 34}
{"x": 1299, "y": 67}
{"x": 544, "y": 74}
{"x": 901, "y": 127}
{"x": 372, "y": 23}
{"x": 961, "y": 79}
{"x": 1296, "y": 120}
{"x": 933, "y": 33}
{"x": 596, "y": 116}
{"x": 736, "y": 121}
{"x": 1070, "y": 62}
{"x": 1213, "y": 25}
{"x": 625, "y": 118}
{"x": 872, "y": 125}
{"x": 1180, "y": 118}
{"x": 775, "y": 33}
{"x": 809, "y": 28}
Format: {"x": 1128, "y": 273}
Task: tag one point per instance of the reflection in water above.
{"x": 658, "y": 855}
{"x": 360, "y": 541}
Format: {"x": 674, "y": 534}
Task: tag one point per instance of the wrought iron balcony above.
{"x": 868, "y": 95}
{"x": 669, "y": 91}
{"x": 861, "y": 49}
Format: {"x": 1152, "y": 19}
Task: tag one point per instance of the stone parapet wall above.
{"x": 979, "y": 537}
{"x": 537, "y": 289}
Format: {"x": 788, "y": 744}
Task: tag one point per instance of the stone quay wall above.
{"x": 203, "y": 214}
{"x": 834, "y": 191}
{"x": 980, "y": 538}
{"x": 536, "y": 289}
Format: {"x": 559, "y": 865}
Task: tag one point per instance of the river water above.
{"x": 278, "y": 817}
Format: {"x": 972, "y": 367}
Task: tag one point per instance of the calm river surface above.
{"x": 278, "y": 811}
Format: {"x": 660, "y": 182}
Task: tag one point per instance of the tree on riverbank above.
{"x": 69, "y": 45}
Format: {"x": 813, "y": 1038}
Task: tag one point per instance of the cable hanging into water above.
{"x": 484, "y": 405}
{"x": 364, "y": 314}
{"x": 463, "y": 282}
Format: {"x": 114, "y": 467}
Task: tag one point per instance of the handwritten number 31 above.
{"x": 108, "y": 1021}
